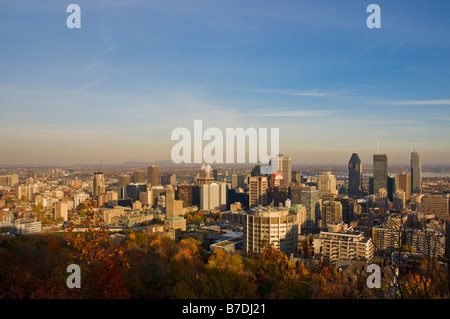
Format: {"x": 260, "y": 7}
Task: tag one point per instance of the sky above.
{"x": 116, "y": 88}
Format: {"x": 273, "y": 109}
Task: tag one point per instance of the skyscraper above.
{"x": 403, "y": 182}
{"x": 310, "y": 198}
{"x": 139, "y": 177}
{"x": 380, "y": 172}
{"x": 237, "y": 180}
{"x": 258, "y": 190}
{"x": 416, "y": 173}
{"x": 285, "y": 166}
{"x": 354, "y": 175}
{"x": 213, "y": 196}
{"x": 153, "y": 175}
{"x": 327, "y": 183}
{"x": 205, "y": 176}
{"x": 124, "y": 180}
{"x": 99, "y": 180}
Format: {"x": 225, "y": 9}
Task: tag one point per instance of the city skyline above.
{"x": 116, "y": 88}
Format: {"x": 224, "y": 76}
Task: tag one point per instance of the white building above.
{"x": 213, "y": 196}
{"x": 341, "y": 242}
{"x": 27, "y": 226}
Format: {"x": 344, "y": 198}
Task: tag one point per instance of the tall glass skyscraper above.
{"x": 380, "y": 172}
{"x": 354, "y": 175}
{"x": 416, "y": 173}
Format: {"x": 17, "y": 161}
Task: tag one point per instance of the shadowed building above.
{"x": 416, "y": 173}
{"x": 354, "y": 175}
{"x": 380, "y": 172}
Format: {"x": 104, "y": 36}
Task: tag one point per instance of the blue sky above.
{"x": 116, "y": 88}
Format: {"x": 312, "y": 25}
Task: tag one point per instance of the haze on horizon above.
{"x": 136, "y": 70}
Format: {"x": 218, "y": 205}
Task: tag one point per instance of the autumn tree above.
{"x": 101, "y": 264}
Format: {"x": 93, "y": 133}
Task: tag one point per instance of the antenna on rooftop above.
{"x": 100, "y": 165}
{"x": 378, "y": 145}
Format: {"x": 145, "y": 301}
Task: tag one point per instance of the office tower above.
{"x": 139, "y": 177}
{"x": 436, "y": 204}
{"x": 256, "y": 171}
{"x": 310, "y": 199}
{"x": 99, "y": 180}
{"x": 297, "y": 177}
{"x": 168, "y": 179}
{"x": 380, "y": 172}
{"x": 258, "y": 190}
{"x": 295, "y": 193}
{"x": 403, "y": 182}
{"x": 237, "y": 180}
{"x": 213, "y": 196}
{"x": 189, "y": 194}
{"x": 354, "y": 175}
{"x": 381, "y": 199}
{"x": 416, "y": 173}
{"x": 277, "y": 226}
{"x": 205, "y": 176}
{"x": 370, "y": 185}
{"x": 326, "y": 183}
{"x": 124, "y": 180}
{"x": 331, "y": 213}
{"x": 399, "y": 200}
{"x": 347, "y": 209}
{"x": 153, "y": 175}
{"x": 174, "y": 208}
{"x": 156, "y": 193}
{"x": 215, "y": 174}
{"x": 146, "y": 198}
{"x": 285, "y": 166}
{"x": 133, "y": 190}
{"x": 170, "y": 193}
{"x": 391, "y": 188}
{"x": 112, "y": 196}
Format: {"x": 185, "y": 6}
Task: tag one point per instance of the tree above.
{"x": 102, "y": 264}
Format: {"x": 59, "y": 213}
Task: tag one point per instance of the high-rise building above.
{"x": 399, "y": 200}
{"x": 99, "y": 180}
{"x": 237, "y": 180}
{"x": 326, "y": 183}
{"x": 133, "y": 190}
{"x": 354, "y": 175}
{"x": 416, "y": 173}
{"x": 380, "y": 172}
{"x": 258, "y": 190}
{"x": 331, "y": 213}
{"x": 391, "y": 188}
{"x": 310, "y": 199}
{"x": 205, "y": 176}
{"x": 403, "y": 182}
{"x": 381, "y": 199}
{"x": 213, "y": 196}
{"x": 153, "y": 175}
{"x": 189, "y": 194}
{"x": 139, "y": 177}
{"x": 436, "y": 204}
{"x": 277, "y": 226}
{"x": 124, "y": 180}
{"x": 168, "y": 179}
{"x": 285, "y": 166}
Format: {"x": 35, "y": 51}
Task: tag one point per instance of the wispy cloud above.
{"x": 419, "y": 102}
{"x": 309, "y": 113}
